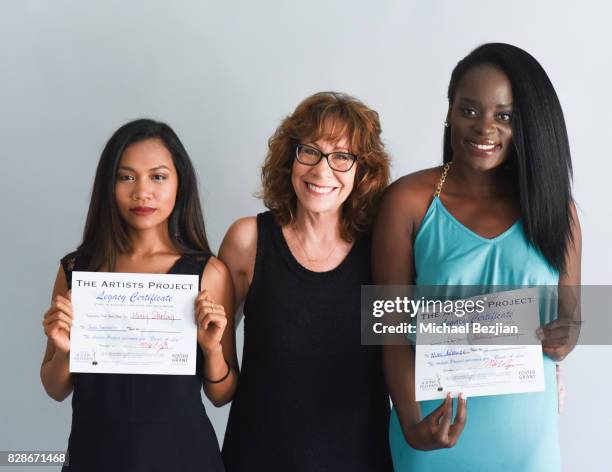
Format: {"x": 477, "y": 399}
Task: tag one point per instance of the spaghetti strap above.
{"x": 445, "y": 170}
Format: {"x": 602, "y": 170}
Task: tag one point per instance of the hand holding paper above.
{"x": 211, "y": 322}
{"x": 58, "y": 321}
{"x": 438, "y": 430}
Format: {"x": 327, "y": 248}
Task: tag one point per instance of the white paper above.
{"x": 133, "y": 323}
{"x": 464, "y": 363}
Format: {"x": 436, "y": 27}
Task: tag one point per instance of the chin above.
{"x": 142, "y": 225}
{"x": 485, "y": 163}
{"x": 318, "y": 206}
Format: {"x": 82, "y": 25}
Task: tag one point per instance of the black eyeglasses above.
{"x": 338, "y": 161}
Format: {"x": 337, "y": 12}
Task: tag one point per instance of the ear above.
{"x": 448, "y": 114}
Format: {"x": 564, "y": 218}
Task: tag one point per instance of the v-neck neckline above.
{"x": 499, "y": 237}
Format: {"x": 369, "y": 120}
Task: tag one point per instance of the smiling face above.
{"x": 319, "y": 189}
{"x": 480, "y": 118}
{"x": 146, "y": 185}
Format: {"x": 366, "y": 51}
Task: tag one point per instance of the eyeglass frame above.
{"x": 323, "y": 155}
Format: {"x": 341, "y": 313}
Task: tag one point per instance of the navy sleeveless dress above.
{"x": 310, "y": 398}
{"x": 133, "y": 422}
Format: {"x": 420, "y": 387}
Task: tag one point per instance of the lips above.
{"x": 319, "y": 189}
{"x": 483, "y": 147}
{"x": 142, "y": 211}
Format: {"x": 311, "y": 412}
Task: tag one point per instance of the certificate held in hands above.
{"x": 459, "y": 360}
{"x": 128, "y": 323}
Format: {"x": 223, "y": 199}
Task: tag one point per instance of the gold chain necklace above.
{"x": 447, "y": 167}
{"x": 303, "y": 248}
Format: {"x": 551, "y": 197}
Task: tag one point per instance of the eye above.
{"x": 125, "y": 178}
{"x": 310, "y": 151}
{"x": 160, "y": 177}
{"x": 343, "y": 156}
{"x": 468, "y": 112}
{"x": 505, "y": 116}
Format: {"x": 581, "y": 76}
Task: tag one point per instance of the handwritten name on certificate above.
{"x": 458, "y": 359}
{"x": 133, "y": 323}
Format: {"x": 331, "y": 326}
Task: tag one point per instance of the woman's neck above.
{"x": 150, "y": 242}
{"x": 317, "y": 228}
{"x": 480, "y": 184}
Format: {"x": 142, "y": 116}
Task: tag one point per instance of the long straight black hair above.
{"x": 105, "y": 234}
{"x": 540, "y": 160}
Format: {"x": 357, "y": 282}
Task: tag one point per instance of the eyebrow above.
{"x": 476, "y": 102}
{"x": 150, "y": 170}
{"x": 335, "y": 149}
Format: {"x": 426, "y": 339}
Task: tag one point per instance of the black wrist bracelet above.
{"x": 229, "y": 369}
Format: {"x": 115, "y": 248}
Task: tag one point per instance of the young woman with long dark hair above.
{"x": 145, "y": 217}
{"x": 498, "y": 212}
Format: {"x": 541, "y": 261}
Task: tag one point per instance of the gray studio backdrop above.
{"x": 223, "y": 74}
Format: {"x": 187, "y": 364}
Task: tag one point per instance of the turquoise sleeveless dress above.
{"x": 514, "y": 433}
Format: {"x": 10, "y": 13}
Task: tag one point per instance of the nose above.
{"x": 322, "y": 167}
{"x": 142, "y": 190}
{"x": 485, "y": 126}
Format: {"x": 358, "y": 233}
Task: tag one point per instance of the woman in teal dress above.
{"x": 499, "y": 212}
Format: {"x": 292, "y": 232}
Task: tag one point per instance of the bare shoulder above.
{"x": 411, "y": 194}
{"x": 242, "y": 234}
{"x": 60, "y": 287}
{"x": 573, "y": 211}
{"x": 239, "y": 246}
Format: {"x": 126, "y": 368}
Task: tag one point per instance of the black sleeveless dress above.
{"x": 310, "y": 396}
{"x": 133, "y": 422}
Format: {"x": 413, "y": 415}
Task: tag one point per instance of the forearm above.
{"x": 398, "y": 362}
{"x": 216, "y": 368}
{"x": 409, "y": 416}
{"x": 55, "y": 376}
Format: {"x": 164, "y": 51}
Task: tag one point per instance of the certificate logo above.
{"x": 527, "y": 374}
{"x": 428, "y": 385}
{"x": 180, "y": 359}
{"x": 86, "y": 356}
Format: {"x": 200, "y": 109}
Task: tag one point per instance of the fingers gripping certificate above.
{"x": 459, "y": 355}
{"x": 133, "y": 323}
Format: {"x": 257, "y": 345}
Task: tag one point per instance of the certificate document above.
{"x": 458, "y": 354}
{"x": 133, "y": 323}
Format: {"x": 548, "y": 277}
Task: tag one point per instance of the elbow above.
{"x": 57, "y": 396}
{"x": 219, "y": 402}
{"x": 220, "y": 398}
{"x": 55, "y": 393}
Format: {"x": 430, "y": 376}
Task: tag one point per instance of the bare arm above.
{"x": 220, "y": 360}
{"x": 560, "y": 336}
{"x": 392, "y": 264}
{"x": 54, "y": 371}
{"x": 401, "y": 211}
{"x": 238, "y": 251}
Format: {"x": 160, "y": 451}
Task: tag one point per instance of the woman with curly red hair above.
{"x": 310, "y": 396}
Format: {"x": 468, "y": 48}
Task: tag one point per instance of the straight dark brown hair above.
{"x": 105, "y": 235}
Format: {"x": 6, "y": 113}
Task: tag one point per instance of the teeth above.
{"x": 483, "y": 147}
{"x": 317, "y": 189}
